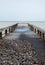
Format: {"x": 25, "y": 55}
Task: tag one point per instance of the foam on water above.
{"x": 40, "y": 24}
{"x": 22, "y": 29}
{"x": 5, "y": 24}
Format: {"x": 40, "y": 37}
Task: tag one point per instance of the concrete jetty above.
{"x": 26, "y": 47}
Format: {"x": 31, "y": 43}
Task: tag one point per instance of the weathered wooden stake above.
{"x": 0, "y": 35}
{"x": 40, "y": 34}
{"x": 43, "y": 36}
{"x": 9, "y": 30}
{"x": 5, "y": 32}
{"x": 35, "y": 30}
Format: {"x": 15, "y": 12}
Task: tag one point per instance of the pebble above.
{"x": 17, "y": 52}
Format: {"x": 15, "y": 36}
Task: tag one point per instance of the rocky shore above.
{"x": 18, "y": 52}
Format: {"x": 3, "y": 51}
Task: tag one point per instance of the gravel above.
{"x": 18, "y": 52}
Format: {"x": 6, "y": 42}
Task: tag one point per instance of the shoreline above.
{"x": 42, "y": 25}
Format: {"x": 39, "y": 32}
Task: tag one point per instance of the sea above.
{"x": 40, "y": 24}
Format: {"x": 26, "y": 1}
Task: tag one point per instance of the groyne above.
{"x": 22, "y": 48}
{"x": 40, "y": 32}
{"x": 7, "y": 30}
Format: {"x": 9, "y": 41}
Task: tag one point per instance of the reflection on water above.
{"x": 22, "y": 29}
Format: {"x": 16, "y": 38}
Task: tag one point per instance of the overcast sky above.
{"x": 22, "y": 10}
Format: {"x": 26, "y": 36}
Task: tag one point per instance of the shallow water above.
{"x": 22, "y": 29}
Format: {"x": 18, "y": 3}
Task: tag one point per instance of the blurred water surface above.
{"x": 40, "y": 24}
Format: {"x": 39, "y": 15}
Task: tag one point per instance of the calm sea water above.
{"x": 40, "y": 24}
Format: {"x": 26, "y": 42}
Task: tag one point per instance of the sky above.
{"x": 22, "y": 10}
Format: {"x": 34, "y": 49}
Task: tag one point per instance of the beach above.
{"x": 18, "y": 52}
{"x": 22, "y": 47}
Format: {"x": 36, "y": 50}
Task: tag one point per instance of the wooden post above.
{"x": 12, "y": 28}
{"x": 5, "y": 32}
{"x": 0, "y": 35}
{"x": 9, "y": 30}
{"x": 15, "y": 26}
{"x": 35, "y": 30}
{"x": 40, "y": 34}
{"x": 43, "y": 36}
{"x": 32, "y": 28}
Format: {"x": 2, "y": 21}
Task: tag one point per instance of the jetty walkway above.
{"x": 27, "y": 43}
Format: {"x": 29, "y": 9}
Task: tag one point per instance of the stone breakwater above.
{"x": 18, "y": 52}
